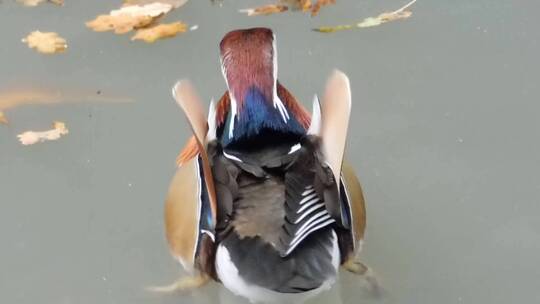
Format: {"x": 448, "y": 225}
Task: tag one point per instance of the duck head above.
{"x": 249, "y": 66}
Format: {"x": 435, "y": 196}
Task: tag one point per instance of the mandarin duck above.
{"x": 262, "y": 200}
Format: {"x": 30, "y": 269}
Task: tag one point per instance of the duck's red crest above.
{"x": 248, "y": 60}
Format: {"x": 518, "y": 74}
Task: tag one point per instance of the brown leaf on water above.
{"x": 32, "y": 137}
{"x": 37, "y": 2}
{"x": 160, "y": 31}
{"x": 46, "y": 42}
{"x": 129, "y": 17}
{"x": 3, "y": 119}
{"x": 303, "y": 5}
{"x": 120, "y": 24}
{"x": 319, "y": 4}
{"x": 401, "y": 13}
{"x": 284, "y": 5}
{"x": 174, "y": 3}
{"x": 265, "y": 10}
{"x": 13, "y": 97}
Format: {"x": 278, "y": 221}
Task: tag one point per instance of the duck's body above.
{"x": 269, "y": 191}
{"x": 275, "y": 216}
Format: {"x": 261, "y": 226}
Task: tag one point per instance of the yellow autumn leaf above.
{"x": 401, "y": 13}
{"x": 160, "y": 31}
{"x": 284, "y": 5}
{"x": 319, "y": 4}
{"x": 303, "y": 5}
{"x": 129, "y": 17}
{"x": 151, "y": 9}
{"x": 265, "y": 10}
{"x": 3, "y": 119}
{"x": 46, "y": 42}
{"x": 120, "y": 24}
{"x": 32, "y": 137}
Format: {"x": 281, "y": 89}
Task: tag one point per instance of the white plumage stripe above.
{"x": 308, "y": 212}
{"x": 307, "y": 198}
{"x": 308, "y": 191}
{"x": 312, "y": 229}
{"x": 310, "y": 203}
{"x": 323, "y": 214}
{"x": 232, "y": 157}
{"x": 295, "y": 148}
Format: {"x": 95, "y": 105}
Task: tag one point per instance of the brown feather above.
{"x": 356, "y": 199}
{"x": 335, "y": 112}
{"x": 187, "y": 99}
{"x": 182, "y": 214}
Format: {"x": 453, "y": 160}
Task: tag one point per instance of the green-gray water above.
{"x": 444, "y": 136}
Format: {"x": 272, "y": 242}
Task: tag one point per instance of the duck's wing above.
{"x": 330, "y": 123}
{"x": 190, "y": 208}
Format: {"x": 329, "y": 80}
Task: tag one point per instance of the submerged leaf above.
{"x": 265, "y": 10}
{"x": 401, "y": 13}
{"x": 32, "y": 137}
{"x": 13, "y": 97}
{"x": 161, "y": 31}
{"x": 3, "y": 119}
{"x": 46, "y": 43}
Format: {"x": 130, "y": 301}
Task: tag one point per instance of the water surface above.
{"x": 444, "y": 137}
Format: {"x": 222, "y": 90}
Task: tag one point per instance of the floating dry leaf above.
{"x": 401, "y": 13}
{"x": 318, "y": 5}
{"x": 3, "y": 119}
{"x": 152, "y": 9}
{"x": 32, "y": 137}
{"x": 174, "y": 3}
{"x": 265, "y": 10}
{"x": 120, "y": 24}
{"x": 46, "y": 42}
{"x": 37, "y": 2}
{"x": 284, "y": 5}
{"x": 13, "y": 97}
{"x": 161, "y": 31}
{"x": 129, "y": 17}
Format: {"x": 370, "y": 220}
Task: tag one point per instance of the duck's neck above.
{"x": 249, "y": 65}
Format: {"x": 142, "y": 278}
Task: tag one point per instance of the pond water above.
{"x": 444, "y": 136}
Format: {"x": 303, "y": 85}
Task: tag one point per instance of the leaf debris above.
{"x": 32, "y": 137}
{"x": 129, "y": 17}
{"x": 151, "y": 34}
{"x": 265, "y": 10}
{"x": 120, "y": 24}
{"x": 284, "y": 5}
{"x": 46, "y": 42}
{"x": 141, "y": 15}
{"x": 319, "y": 4}
{"x": 151, "y": 9}
{"x": 385, "y": 17}
{"x": 32, "y": 95}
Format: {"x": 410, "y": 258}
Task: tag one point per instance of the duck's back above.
{"x": 274, "y": 230}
